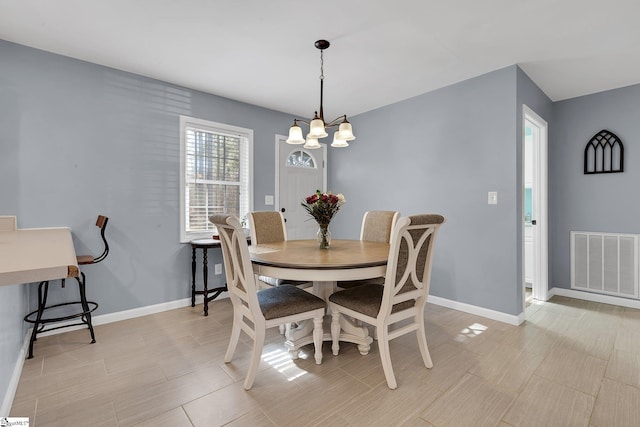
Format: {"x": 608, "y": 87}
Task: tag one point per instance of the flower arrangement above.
{"x": 322, "y": 207}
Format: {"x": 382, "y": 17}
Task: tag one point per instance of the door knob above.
{"x": 282, "y": 210}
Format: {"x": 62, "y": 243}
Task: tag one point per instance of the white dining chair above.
{"x": 402, "y": 296}
{"x": 269, "y": 227}
{"x": 377, "y": 226}
{"x": 255, "y": 310}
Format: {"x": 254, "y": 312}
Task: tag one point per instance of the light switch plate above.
{"x": 268, "y": 200}
{"x": 493, "y": 198}
{"x": 218, "y": 269}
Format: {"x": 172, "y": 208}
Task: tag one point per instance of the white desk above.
{"x": 36, "y": 254}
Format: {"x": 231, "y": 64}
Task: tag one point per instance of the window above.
{"x": 300, "y": 159}
{"x": 216, "y": 168}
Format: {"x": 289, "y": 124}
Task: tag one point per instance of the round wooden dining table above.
{"x": 304, "y": 260}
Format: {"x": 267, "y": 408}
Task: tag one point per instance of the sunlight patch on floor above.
{"x": 281, "y": 361}
{"x": 470, "y": 332}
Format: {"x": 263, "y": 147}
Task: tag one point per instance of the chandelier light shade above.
{"x": 318, "y": 126}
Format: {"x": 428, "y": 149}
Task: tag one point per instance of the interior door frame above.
{"x": 540, "y": 231}
{"x": 277, "y": 163}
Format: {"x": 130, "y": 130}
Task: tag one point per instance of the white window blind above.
{"x": 216, "y": 174}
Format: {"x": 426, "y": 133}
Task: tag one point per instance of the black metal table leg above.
{"x": 193, "y": 276}
{"x": 42, "y": 302}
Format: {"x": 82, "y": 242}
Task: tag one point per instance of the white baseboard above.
{"x": 480, "y": 311}
{"x": 12, "y": 387}
{"x": 589, "y": 296}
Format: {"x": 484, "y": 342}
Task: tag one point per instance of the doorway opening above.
{"x": 535, "y": 229}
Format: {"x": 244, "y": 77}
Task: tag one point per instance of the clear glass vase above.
{"x": 324, "y": 236}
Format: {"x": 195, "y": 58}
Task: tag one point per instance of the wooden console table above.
{"x": 204, "y": 245}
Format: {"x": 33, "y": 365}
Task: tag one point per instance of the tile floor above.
{"x": 572, "y": 363}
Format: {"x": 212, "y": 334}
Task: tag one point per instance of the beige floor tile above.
{"x": 382, "y": 406}
{"x": 51, "y": 384}
{"x": 255, "y": 418}
{"x": 174, "y": 418}
{"x": 24, "y": 408}
{"x": 316, "y": 399}
{"x": 32, "y": 367}
{"x": 631, "y": 319}
{"x": 85, "y": 412}
{"x": 134, "y": 406}
{"x": 417, "y": 422}
{"x": 471, "y": 402}
{"x": 617, "y": 405}
{"x": 552, "y": 321}
{"x": 624, "y": 367}
{"x": 507, "y": 367}
{"x": 628, "y": 340}
{"x": 220, "y": 407}
{"x": 573, "y": 369}
{"x": 601, "y": 321}
{"x": 592, "y": 341}
{"x": 532, "y": 339}
{"x": 564, "y": 307}
{"x": 545, "y": 403}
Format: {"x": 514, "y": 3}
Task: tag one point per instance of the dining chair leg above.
{"x": 235, "y": 336}
{"x": 317, "y": 338}
{"x": 258, "y": 343}
{"x": 385, "y": 356}
{"x": 335, "y": 332}
{"x": 422, "y": 342}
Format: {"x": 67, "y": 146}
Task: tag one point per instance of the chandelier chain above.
{"x": 321, "y": 66}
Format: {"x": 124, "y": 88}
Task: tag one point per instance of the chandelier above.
{"x": 318, "y": 127}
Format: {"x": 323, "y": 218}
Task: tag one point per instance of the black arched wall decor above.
{"x": 604, "y": 153}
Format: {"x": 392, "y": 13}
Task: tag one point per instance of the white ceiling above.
{"x": 262, "y": 52}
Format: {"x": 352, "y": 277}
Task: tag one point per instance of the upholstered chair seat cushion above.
{"x": 366, "y": 300}
{"x": 287, "y": 300}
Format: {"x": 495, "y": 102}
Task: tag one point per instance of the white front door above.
{"x": 299, "y": 173}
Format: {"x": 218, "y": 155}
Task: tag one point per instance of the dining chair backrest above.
{"x": 267, "y": 227}
{"x": 409, "y": 264}
{"x": 377, "y": 226}
{"x": 241, "y": 283}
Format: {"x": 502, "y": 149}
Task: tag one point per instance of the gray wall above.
{"x": 578, "y": 202}
{"x": 442, "y": 152}
{"x": 78, "y": 140}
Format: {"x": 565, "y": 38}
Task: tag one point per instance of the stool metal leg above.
{"x": 85, "y": 305}
{"x": 42, "y": 302}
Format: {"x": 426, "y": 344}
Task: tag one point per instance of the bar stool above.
{"x": 40, "y": 321}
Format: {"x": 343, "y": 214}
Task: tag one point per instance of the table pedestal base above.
{"x": 302, "y": 334}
